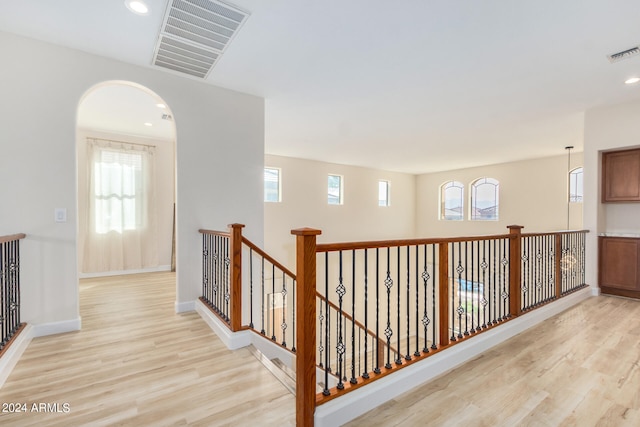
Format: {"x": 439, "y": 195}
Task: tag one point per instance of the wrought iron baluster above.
{"x": 353, "y": 317}
{"x": 460, "y": 269}
{"x": 340, "y": 348}
{"x": 505, "y": 294}
{"x": 466, "y": 290}
{"x": 377, "y": 270}
{"x": 365, "y": 374}
{"x": 399, "y": 348}
{"x": 284, "y": 312}
{"x": 388, "y": 332}
{"x": 293, "y": 322}
{"x": 433, "y": 298}
{"x": 327, "y": 361}
{"x": 251, "y": 288}
{"x": 262, "y": 299}
{"x": 425, "y": 316}
{"x": 417, "y": 351}
{"x": 407, "y": 356}
{"x": 483, "y": 266}
{"x": 452, "y": 296}
{"x": 273, "y": 302}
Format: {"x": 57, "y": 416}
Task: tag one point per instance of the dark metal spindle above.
{"x": 417, "y": 352}
{"x": 388, "y": 332}
{"x": 365, "y": 374}
{"x": 327, "y": 361}
{"x": 452, "y": 297}
{"x": 284, "y": 312}
{"x": 251, "y": 288}
{"x": 398, "y": 358}
{"x": 433, "y": 298}
{"x": 262, "y": 331}
{"x": 407, "y": 356}
{"x": 353, "y": 317}
{"x": 377, "y": 270}
{"x": 340, "y": 290}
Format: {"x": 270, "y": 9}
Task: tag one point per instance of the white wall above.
{"x": 607, "y": 128}
{"x": 220, "y": 155}
{"x": 533, "y": 193}
{"x": 304, "y": 204}
{"x": 164, "y": 189}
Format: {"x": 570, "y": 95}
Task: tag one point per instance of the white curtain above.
{"x": 121, "y": 216}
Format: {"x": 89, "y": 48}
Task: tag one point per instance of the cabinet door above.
{"x": 619, "y": 263}
{"x": 621, "y": 176}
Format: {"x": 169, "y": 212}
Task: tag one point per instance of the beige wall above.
{"x": 219, "y": 155}
{"x": 304, "y": 204}
{"x": 533, "y": 193}
{"x": 607, "y": 128}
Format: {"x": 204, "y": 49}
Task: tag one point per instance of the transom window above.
{"x": 452, "y": 201}
{"x": 334, "y": 190}
{"x": 485, "y": 199}
{"x": 272, "y": 185}
{"x": 575, "y": 186}
{"x": 383, "y": 193}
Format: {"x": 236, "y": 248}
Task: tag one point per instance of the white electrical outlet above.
{"x": 60, "y": 214}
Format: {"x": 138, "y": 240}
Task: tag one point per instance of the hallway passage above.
{"x": 138, "y": 363}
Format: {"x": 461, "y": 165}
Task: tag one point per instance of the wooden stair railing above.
{"x": 10, "y": 322}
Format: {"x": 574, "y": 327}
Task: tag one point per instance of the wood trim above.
{"x": 347, "y": 246}
{"x": 515, "y": 270}
{"x": 266, "y": 256}
{"x": 558, "y": 265}
{"x": 306, "y": 325}
{"x": 235, "y": 248}
{"x": 214, "y": 232}
{"x": 12, "y": 237}
{"x": 443, "y": 293}
{"x": 620, "y": 292}
{"x": 13, "y": 338}
{"x": 554, "y": 233}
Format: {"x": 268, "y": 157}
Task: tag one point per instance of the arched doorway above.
{"x": 125, "y": 145}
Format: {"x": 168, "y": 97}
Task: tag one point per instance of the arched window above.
{"x": 485, "y": 199}
{"x": 452, "y": 201}
{"x": 575, "y": 185}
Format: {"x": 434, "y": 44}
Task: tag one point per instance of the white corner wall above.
{"x": 220, "y": 156}
{"x": 607, "y": 128}
{"x": 533, "y": 193}
{"x": 304, "y": 204}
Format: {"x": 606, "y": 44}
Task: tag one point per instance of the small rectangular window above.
{"x": 383, "y": 193}
{"x": 272, "y": 185}
{"x": 334, "y": 190}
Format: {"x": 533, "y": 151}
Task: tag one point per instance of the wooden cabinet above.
{"x": 619, "y": 266}
{"x": 621, "y": 176}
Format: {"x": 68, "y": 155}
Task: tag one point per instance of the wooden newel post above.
{"x": 306, "y": 325}
{"x": 235, "y": 284}
{"x": 515, "y": 270}
{"x": 443, "y": 292}
{"x": 558, "y": 265}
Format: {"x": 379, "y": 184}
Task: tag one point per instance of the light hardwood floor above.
{"x": 580, "y": 368}
{"x": 137, "y": 363}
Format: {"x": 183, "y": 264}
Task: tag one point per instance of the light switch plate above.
{"x": 60, "y": 214}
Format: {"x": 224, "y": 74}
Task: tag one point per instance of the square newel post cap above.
{"x": 235, "y": 225}
{"x": 515, "y": 228}
{"x": 306, "y": 231}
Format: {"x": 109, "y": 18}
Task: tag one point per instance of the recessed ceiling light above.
{"x": 632, "y": 80}
{"x": 161, "y": 106}
{"x": 137, "y": 6}
{"x": 148, "y": 124}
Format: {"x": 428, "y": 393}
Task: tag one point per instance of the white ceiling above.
{"x": 411, "y": 85}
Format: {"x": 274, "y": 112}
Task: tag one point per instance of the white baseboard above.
{"x": 53, "y": 328}
{"x": 344, "y": 409}
{"x": 233, "y": 340}
{"x": 14, "y": 352}
{"x": 124, "y": 272}
{"x": 595, "y": 291}
{"x": 183, "y": 307}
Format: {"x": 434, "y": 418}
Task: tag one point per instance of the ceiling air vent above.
{"x": 625, "y": 54}
{"x": 194, "y": 35}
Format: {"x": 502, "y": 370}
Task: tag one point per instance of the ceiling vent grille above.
{"x": 194, "y": 34}
{"x": 625, "y": 54}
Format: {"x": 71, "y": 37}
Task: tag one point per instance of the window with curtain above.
{"x": 121, "y": 213}
{"x": 485, "y": 198}
{"x": 575, "y": 186}
{"x": 452, "y": 201}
